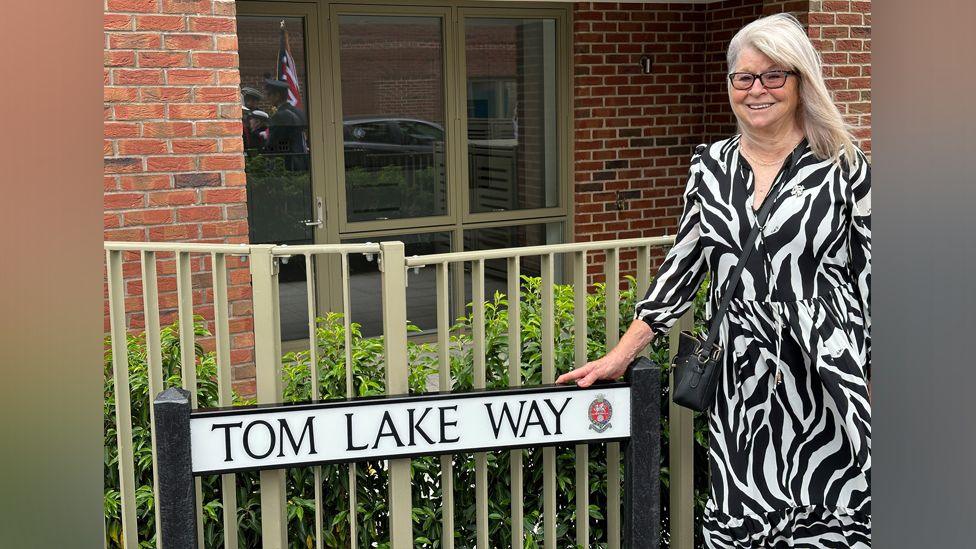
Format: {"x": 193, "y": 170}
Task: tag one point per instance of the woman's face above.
{"x": 761, "y": 109}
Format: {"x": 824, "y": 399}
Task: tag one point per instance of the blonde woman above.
{"x": 790, "y": 429}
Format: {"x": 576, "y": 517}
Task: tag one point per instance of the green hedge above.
{"x": 371, "y": 484}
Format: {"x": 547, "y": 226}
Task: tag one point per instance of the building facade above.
{"x": 450, "y": 125}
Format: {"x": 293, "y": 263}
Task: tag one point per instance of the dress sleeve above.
{"x": 859, "y": 243}
{"x": 673, "y": 289}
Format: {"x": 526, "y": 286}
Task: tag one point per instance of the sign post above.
{"x": 265, "y": 437}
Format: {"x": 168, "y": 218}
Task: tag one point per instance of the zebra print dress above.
{"x": 790, "y": 462}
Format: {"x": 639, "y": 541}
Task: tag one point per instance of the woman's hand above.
{"x": 611, "y": 366}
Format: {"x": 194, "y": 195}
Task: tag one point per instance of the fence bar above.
{"x": 478, "y": 344}
{"x": 313, "y": 364}
{"x": 579, "y": 359}
{"x": 350, "y": 392}
{"x": 548, "y": 376}
{"x": 444, "y": 384}
{"x": 642, "y": 499}
{"x": 267, "y": 359}
{"x": 515, "y": 380}
{"x": 177, "y": 496}
{"x": 123, "y": 410}
{"x": 394, "y": 282}
{"x": 612, "y": 271}
{"x": 225, "y": 390}
{"x": 682, "y": 457}
{"x": 505, "y": 253}
{"x": 154, "y": 360}
{"x": 188, "y": 362}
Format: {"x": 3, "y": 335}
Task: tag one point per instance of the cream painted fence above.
{"x": 262, "y": 261}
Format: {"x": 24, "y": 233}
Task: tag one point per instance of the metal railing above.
{"x": 261, "y": 261}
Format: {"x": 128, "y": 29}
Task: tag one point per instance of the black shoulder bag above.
{"x": 698, "y": 363}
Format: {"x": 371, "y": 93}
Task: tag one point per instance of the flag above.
{"x": 287, "y": 71}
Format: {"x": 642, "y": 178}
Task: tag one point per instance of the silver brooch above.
{"x": 797, "y": 191}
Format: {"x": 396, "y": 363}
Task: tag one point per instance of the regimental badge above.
{"x": 600, "y": 412}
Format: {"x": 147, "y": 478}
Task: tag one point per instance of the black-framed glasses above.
{"x": 769, "y": 79}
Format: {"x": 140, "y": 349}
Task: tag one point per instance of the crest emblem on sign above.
{"x": 600, "y": 412}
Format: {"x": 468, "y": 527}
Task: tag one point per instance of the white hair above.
{"x": 781, "y": 38}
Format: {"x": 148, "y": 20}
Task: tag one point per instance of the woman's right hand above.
{"x": 610, "y": 366}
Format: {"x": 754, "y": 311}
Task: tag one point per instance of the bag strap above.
{"x": 761, "y": 217}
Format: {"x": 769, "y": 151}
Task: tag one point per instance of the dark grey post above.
{"x": 642, "y": 458}
{"x": 177, "y": 497}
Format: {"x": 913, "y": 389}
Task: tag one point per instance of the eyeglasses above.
{"x": 769, "y": 79}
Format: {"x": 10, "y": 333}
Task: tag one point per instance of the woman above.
{"x": 790, "y": 431}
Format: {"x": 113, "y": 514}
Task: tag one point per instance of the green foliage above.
{"x": 371, "y": 477}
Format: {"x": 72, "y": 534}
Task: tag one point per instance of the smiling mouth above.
{"x": 760, "y": 107}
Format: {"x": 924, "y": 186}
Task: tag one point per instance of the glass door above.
{"x": 285, "y": 202}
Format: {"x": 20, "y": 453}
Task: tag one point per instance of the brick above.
{"x": 123, "y": 165}
{"x": 215, "y": 60}
{"x": 163, "y": 59}
{"x": 119, "y": 94}
{"x": 186, "y": 6}
{"x": 144, "y": 6}
{"x": 125, "y": 235}
{"x": 123, "y": 201}
{"x": 194, "y": 146}
{"x": 220, "y": 163}
{"x": 229, "y": 78}
{"x": 115, "y": 21}
{"x": 142, "y": 146}
{"x": 227, "y": 43}
{"x": 165, "y": 94}
{"x": 213, "y": 24}
{"x": 224, "y": 228}
{"x": 231, "y": 144}
{"x": 194, "y": 42}
{"x": 217, "y": 95}
{"x": 146, "y": 77}
{"x": 134, "y": 41}
{"x": 120, "y": 58}
{"x": 161, "y": 22}
{"x": 144, "y": 182}
{"x": 197, "y": 180}
{"x": 147, "y": 217}
{"x": 172, "y": 198}
{"x": 192, "y": 111}
{"x": 224, "y": 196}
{"x": 170, "y": 163}
{"x": 139, "y": 111}
{"x": 190, "y": 76}
{"x": 173, "y": 233}
{"x": 218, "y": 129}
{"x": 111, "y": 221}
{"x": 198, "y": 213}
{"x": 167, "y": 129}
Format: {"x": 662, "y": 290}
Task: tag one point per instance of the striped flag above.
{"x": 287, "y": 70}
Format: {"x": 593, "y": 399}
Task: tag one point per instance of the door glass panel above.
{"x": 496, "y": 270}
{"x": 280, "y": 204}
{"x": 365, "y": 291}
{"x": 392, "y": 75}
{"x": 511, "y": 110}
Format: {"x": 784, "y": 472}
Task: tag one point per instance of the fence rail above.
{"x": 262, "y": 265}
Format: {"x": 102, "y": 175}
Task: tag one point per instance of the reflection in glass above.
{"x": 511, "y": 89}
{"x": 365, "y": 291}
{"x": 279, "y": 194}
{"x": 496, "y": 270}
{"x": 393, "y": 116}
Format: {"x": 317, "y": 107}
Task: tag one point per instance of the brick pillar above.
{"x": 174, "y": 164}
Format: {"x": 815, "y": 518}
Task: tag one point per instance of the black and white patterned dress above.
{"x": 790, "y": 463}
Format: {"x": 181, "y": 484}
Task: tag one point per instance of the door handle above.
{"x": 319, "y": 212}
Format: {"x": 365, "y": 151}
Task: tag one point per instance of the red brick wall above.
{"x": 173, "y": 162}
{"x": 841, "y": 31}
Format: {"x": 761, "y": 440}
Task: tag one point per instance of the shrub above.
{"x": 371, "y": 477}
